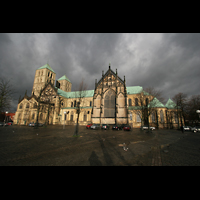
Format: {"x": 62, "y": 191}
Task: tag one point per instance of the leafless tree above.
{"x": 6, "y": 93}
{"x": 80, "y": 94}
{"x": 181, "y": 102}
{"x": 193, "y": 104}
{"x": 147, "y": 103}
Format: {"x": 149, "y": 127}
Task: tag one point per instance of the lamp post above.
{"x": 5, "y": 117}
{"x": 198, "y": 112}
{"x": 64, "y": 119}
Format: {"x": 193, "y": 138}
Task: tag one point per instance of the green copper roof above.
{"x": 170, "y": 104}
{"x": 64, "y": 78}
{"x": 134, "y": 89}
{"x": 46, "y": 66}
{"x": 155, "y": 103}
{"x": 88, "y": 93}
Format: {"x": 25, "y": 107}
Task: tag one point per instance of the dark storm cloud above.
{"x": 169, "y": 62}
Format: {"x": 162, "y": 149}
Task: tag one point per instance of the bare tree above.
{"x": 193, "y": 104}
{"x": 147, "y": 103}
{"x": 6, "y": 93}
{"x": 80, "y": 94}
{"x": 181, "y": 103}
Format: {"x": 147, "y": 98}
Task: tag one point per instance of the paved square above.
{"x": 55, "y": 146}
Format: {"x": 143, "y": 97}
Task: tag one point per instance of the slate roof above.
{"x": 64, "y": 78}
{"x": 46, "y": 66}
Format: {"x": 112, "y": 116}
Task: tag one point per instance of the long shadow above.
{"x": 94, "y": 160}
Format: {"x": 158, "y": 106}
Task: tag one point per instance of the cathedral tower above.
{"x": 65, "y": 84}
{"x": 43, "y": 75}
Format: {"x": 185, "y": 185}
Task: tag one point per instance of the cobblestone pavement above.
{"x": 55, "y": 146}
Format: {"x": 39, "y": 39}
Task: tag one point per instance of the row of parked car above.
{"x": 193, "y": 129}
{"x": 107, "y": 126}
{"x": 6, "y": 123}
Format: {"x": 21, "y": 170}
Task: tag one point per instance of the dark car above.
{"x": 105, "y": 126}
{"x": 127, "y": 128}
{"x": 116, "y": 127}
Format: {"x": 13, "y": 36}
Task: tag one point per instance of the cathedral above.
{"x": 111, "y": 102}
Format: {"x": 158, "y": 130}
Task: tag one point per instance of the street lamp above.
{"x": 64, "y": 119}
{"x": 198, "y": 112}
{"x": 5, "y": 117}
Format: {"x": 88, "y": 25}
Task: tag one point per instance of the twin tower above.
{"x": 44, "y": 75}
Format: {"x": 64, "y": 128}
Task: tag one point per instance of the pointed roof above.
{"x": 47, "y": 66}
{"x": 155, "y": 103}
{"x": 64, "y": 78}
{"x": 170, "y": 104}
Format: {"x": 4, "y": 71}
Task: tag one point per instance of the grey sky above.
{"x": 169, "y": 62}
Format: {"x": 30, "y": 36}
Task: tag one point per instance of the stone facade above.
{"x": 111, "y": 102}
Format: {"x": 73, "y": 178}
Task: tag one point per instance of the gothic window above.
{"x": 136, "y": 102}
{"x": 41, "y": 73}
{"x": 109, "y": 104}
{"x": 51, "y": 75}
{"x": 175, "y": 117}
{"x": 48, "y": 73}
{"x": 85, "y": 117}
{"x": 161, "y": 116}
{"x": 35, "y": 105}
{"x": 72, "y": 104}
{"x": 33, "y": 116}
{"x": 38, "y": 73}
{"x": 71, "y": 117}
{"x": 129, "y": 102}
{"x": 153, "y": 117}
{"x": 90, "y": 103}
{"x": 138, "y": 119}
{"x": 21, "y": 105}
{"x": 27, "y": 105}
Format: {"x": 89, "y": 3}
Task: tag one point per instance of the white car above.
{"x": 146, "y": 128}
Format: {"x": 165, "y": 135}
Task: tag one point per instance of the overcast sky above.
{"x": 169, "y": 62}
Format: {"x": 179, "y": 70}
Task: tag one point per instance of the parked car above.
{"x": 1, "y": 123}
{"x": 197, "y": 129}
{"x": 127, "y": 127}
{"x": 9, "y": 123}
{"x": 145, "y": 127}
{"x": 193, "y": 129}
{"x": 31, "y": 124}
{"x": 187, "y": 128}
{"x": 105, "y": 126}
{"x": 95, "y": 126}
{"x": 116, "y": 127}
{"x": 89, "y": 126}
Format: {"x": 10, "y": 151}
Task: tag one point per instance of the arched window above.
{"x": 161, "y": 116}
{"x": 21, "y": 106}
{"x": 48, "y": 73}
{"x": 72, "y": 104}
{"x": 153, "y": 117}
{"x": 27, "y": 105}
{"x": 109, "y": 104}
{"x": 71, "y": 117}
{"x": 136, "y": 102}
{"x": 35, "y": 105}
{"x": 41, "y": 73}
{"x": 33, "y": 116}
{"x": 85, "y": 117}
{"x": 129, "y": 102}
